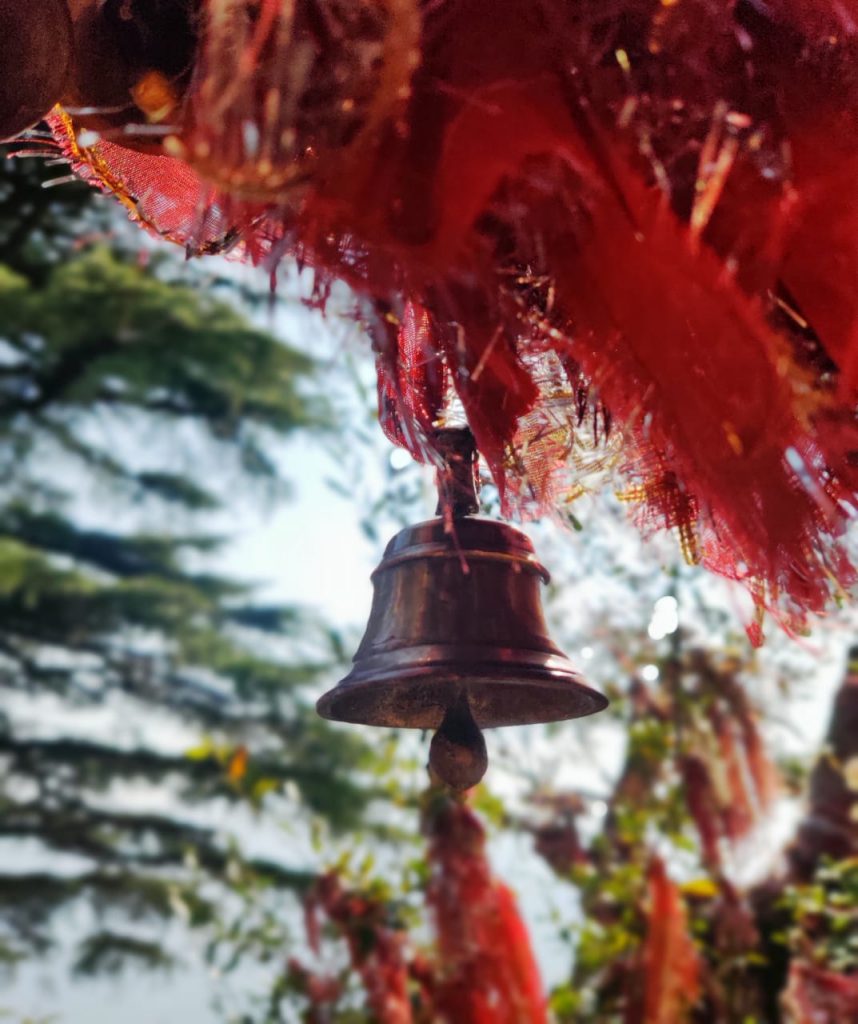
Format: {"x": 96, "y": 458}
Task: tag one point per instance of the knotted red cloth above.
{"x": 482, "y": 969}
{"x": 487, "y": 971}
{"x": 639, "y": 215}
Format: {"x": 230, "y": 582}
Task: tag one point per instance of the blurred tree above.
{"x": 666, "y": 934}
{"x": 695, "y": 785}
{"x": 111, "y": 367}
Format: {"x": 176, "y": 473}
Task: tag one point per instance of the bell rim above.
{"x": 561, "y": 694}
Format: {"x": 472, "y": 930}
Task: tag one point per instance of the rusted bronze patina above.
{"x": 457, "y": 639}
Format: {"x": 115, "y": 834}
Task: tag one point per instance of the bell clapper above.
{"x": 457, "y": 754}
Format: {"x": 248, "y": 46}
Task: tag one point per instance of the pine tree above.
{"x": 104, "y": 355}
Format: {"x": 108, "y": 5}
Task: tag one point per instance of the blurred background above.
{"x": 194, "y": 494}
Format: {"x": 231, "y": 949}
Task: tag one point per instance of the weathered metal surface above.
{"x": 457, "y": 615}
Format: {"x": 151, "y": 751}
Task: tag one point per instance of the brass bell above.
{"x": 456, "y": 639}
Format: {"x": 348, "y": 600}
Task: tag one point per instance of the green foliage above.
{"x": 103, "y": 334}
{"x": 112, "y": 366}
{"x": 110, "y": 331}
{"x": 113, "y": 952}
{"x": 824, "y": 916}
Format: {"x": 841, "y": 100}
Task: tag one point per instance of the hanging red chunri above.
{"x": 623, "y": 230}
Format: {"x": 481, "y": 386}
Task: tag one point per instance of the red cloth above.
{"x": 658, "y": 196}
{"x": 482, "y": 970}
{"x": 487, "y": 971}
{"x": 670, "y": 965}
